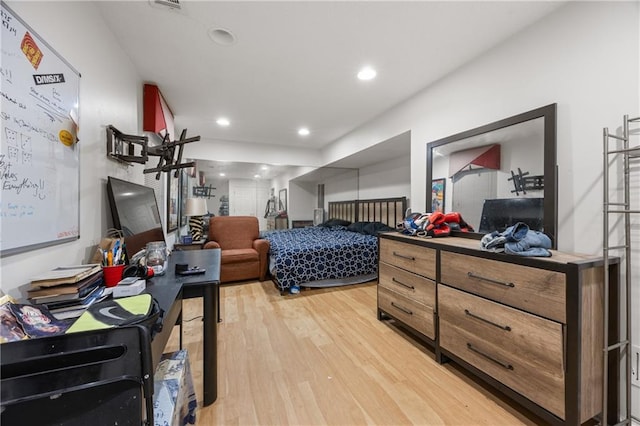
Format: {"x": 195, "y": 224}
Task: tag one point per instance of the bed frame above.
{"x": 390, "y": 211}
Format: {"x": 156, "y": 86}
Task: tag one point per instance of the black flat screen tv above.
{"x": 135, "y": 212}
{"x": 499, "y": 214}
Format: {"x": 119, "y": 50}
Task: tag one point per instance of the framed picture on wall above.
{"x": 282, "y": 200}
{"x": 184, "y": 193}
{"x": 437, "y": 195}
{"x": 173, "y": 193}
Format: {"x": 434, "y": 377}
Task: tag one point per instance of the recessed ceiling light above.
{"x": 303, "y": 131}
{"x": 264, "y": 168}
{"x": 256, "y": 176}
{"x": 222, "y": 36}
{"x": 224, "y": 122}
{"x": 222, "y": 175}
{"x": 367, "y": 73}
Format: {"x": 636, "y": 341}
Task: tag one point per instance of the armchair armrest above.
{"x": 262, "y": 247}
{"x": 211, "y": 245}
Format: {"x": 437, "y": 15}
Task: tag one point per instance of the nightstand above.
{"x": 301, "y": 223}
{"x": 192, "y": 246}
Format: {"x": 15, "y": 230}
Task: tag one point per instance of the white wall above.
{"x": 302, "y": 200}
{"x": 391, "y": 178}
{"x": 566, "y": 58}
{"x": 110, "y": 93}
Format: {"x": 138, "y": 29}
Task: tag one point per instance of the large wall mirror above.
{"x": 498, "y": 174}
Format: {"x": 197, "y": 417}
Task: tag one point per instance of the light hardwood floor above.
{"x": 323, "y": 358}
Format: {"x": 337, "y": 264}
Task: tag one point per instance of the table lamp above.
{"x": 195, "y": 208}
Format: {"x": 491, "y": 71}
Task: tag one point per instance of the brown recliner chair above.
{"x": 243, "y": 253}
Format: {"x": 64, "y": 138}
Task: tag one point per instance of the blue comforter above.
{"x": 304, "y": 255}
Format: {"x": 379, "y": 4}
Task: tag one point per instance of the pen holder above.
{"x": 112, "y": 275}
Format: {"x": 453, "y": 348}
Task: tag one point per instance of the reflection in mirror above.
{"x": 498, "y": 174}
{"x": 316, "y": 188}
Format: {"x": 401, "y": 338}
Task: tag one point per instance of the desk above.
{"x": 169, "y": 290}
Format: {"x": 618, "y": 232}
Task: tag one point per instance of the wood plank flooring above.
{"x": 322, "y": 358}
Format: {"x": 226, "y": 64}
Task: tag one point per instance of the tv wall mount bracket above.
{"x": 523, "y": 182}
{"x": 122, "y": 147}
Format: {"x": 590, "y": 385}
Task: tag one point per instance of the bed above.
{"x": 334, "y": 255}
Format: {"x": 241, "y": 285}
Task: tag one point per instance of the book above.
{"x": 10, "y": 328}
{"x": 64, "y": 291}
{"x": 61, "y": 300}
{"x": 76, "y": 309}
{"x": 37, "y": 321}
{"x": 65, "y": 275}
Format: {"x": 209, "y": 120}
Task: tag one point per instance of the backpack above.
{"x": 140, "y": 309}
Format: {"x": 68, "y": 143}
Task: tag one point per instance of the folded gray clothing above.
{"x": 517, "y": 239}
{"x": 534, "y": 243}
{"x": 492, "y": 240}
{"x": 530, "y": 252}
{"x": 516, "y": 232}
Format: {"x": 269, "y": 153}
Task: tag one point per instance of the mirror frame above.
{"x": 550, "y": 199}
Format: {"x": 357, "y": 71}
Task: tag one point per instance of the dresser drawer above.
{"x": 534, "y": 290}
{"x": 412, "y": 286}
{"x": 523, "y": 351}
{"x": 414, "y": 258}
{"x": 414, "y": 314}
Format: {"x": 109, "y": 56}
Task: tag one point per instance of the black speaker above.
{"x": 137, "y": 271}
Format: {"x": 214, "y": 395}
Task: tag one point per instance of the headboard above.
{"x": 389, "y": 211}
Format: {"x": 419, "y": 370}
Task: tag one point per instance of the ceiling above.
{"x": 294, "y": 63}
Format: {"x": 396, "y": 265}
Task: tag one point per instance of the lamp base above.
{"x": 196, "y": 227}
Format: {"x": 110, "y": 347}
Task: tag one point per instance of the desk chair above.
{"x": 93, "y": 377}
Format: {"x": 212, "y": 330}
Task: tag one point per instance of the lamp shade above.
{"x": 195, "y": 207}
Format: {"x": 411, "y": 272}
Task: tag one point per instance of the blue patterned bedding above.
{"x": 311, "y": 256}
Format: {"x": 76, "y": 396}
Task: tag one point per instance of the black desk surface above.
{"x": 166, "y": 288}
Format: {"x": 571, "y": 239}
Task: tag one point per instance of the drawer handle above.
{"x": 490, "y": 358}
{"x": 410, "y": 287}
{"x": 405, "y": 310}
{"x": 502, "y": 283}
{"x": 502, "y": 327}
{"x": 395, "y": 253}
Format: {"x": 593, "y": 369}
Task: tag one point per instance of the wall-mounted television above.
{"x": 135, "y": 212}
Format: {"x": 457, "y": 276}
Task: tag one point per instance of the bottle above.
{"x": 156, "y": 257}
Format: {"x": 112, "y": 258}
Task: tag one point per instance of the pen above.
{"x": 110, "y": 259}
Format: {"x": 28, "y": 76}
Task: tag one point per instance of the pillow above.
{"x": 373, "y": 228}
{"x": 335, "y": 222}
{"x": 357, "y": 227}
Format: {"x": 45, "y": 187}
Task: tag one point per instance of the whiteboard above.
{"x": 39, "y": 156}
